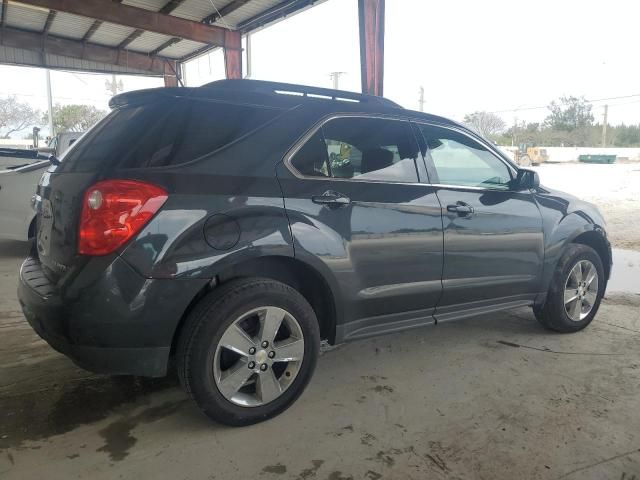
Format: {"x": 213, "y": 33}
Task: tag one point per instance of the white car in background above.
{"x": 17, "y": 187}
{"x": 20, "y": 171}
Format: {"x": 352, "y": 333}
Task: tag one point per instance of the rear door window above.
{"x": 361, "y": 149}
{"x": 165, "y": 132}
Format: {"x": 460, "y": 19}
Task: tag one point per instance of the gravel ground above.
{"x": 615, "y": 189}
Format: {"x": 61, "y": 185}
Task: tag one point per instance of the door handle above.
{"x": 461, "y": 208}
{"x": 332, "y": 199}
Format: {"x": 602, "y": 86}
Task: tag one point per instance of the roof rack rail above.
{"x": 278, "y": 88}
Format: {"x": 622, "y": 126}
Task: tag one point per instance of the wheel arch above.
{"x": 571, "y": 228}
{"x": 596, "y": 239}
{"x": 31, "y": 229}
{"x": 299, "y": 275}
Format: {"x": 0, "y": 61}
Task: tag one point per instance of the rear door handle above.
{"x": 461, "y": 208}
{"x": 332, "y": 199}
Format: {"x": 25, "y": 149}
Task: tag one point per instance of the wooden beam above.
{"x": 195, "y": 54}
{"x": 138, "y": 18}
{"x": 170, "y": 6}
{"x": 233, "y": 55}
{"x": 166, "y": 44}
{"x": 49, "y": 21}
{"x": 49, "y": 44}
{"x": 171, "y": 78}
{"x": 167, "y": 9}
{"x": 226, "y": 10}
{"x": 3, "y": 16}
{"x": 92, "y": 29}
{"x": 371, "y": 19}
{"x": 132, "y": 36}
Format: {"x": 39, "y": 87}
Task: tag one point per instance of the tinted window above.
{"x": 460, "y": 160}
{"x": 360, "y": 148}
{"x": 165, "y": 132}
{"x": 311, "y": 159}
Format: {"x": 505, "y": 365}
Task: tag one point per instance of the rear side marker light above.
{"x": 113, "y": 211}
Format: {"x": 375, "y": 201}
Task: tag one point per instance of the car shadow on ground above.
{"x": 67, "y": 397}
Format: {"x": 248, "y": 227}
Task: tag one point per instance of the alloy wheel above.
{"x": 258, "y": 356}
{"x": 581, "y": 290}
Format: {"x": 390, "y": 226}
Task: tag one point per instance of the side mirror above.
{"x": 527, "y": 179}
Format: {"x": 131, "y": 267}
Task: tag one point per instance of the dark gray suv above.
{"x": 235, "y": 226}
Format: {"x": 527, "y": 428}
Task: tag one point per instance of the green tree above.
{"x": 569, "y": 114}
{"x": 16, "y": 116}
{"x": 75, "y": 118}
{"x": 625, "y": 135}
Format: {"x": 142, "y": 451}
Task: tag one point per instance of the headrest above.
{"x": 376, "y": 159}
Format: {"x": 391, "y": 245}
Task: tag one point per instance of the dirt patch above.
{"x": 118, "y": 437}
{"x": 62, "y": 408}
{"x": 614, "y": 189}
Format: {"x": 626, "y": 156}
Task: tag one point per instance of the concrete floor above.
{"x": 490, "y": 398}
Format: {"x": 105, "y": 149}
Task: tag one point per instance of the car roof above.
{"x": 282, "y": 95}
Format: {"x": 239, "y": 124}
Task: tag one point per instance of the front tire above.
{"x": 248, "y": 350}
{"x": 575, "y": 292}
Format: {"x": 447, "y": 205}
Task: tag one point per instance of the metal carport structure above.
{"x": 154, "y": 37}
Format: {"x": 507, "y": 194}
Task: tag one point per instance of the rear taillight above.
{"x": 115, "y": 210}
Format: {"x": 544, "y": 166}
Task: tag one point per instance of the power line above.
{"x": 38, "y": 95}
{"x": 520, "y": 109}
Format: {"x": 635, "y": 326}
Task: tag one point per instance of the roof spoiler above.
{"x": 137, "y": 97}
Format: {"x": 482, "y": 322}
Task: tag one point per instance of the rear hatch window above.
{"x": 166, "y": 132}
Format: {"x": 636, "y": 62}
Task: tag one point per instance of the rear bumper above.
{"x": 120, "y": 323}
{"x": 150, "y": 361}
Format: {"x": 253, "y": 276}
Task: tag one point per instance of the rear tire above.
{"x": 222, "y": 360}
{"x": 575, "y": 292}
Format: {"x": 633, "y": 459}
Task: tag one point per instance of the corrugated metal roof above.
{"x": 66, "y": 25}
{"x": 18, "y": 56}
{"x": 153, "y": 5}
{"x": 69, "y": 26}
{"x": 250, "y": 10}
{"x": 182, "y": 48}
{"x": 111, "y": 34}
{"x": 147, "y": 42}
{"x": 197, "y": 10}
{"x": 26, "y": 17}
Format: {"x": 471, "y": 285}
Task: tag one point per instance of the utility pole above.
{"x": 604, "y": 126}
{"x": 335, "y": 76}
{"x": 52, "y": 133}
{"x": 113, "y": 86}
{"x": 248, "y": 56}
{"x": 421, "y": 99}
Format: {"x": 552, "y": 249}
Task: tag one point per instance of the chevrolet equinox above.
{"x": 232, "y": 228}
